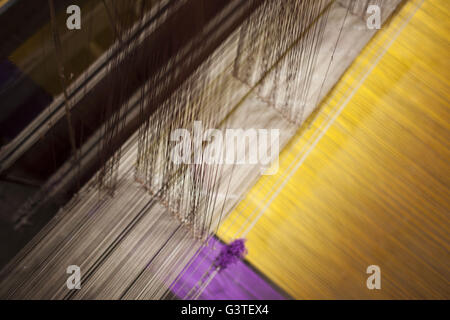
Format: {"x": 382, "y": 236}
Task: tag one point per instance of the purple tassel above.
{"x": 230, "y": 254}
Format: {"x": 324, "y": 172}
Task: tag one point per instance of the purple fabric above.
{"x": 236, "y": 282}
{"x": 230, "y": 254}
